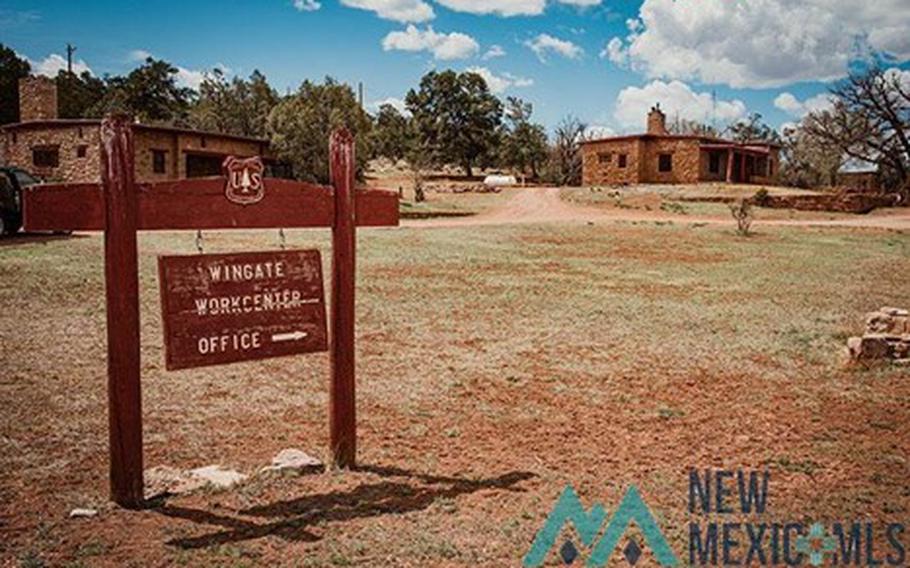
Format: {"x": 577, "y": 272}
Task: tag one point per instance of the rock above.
{"x": 293, "y": 459}
{"x": 79, "y": 513}
{"x": 166, "y": 480}
{"x": 216, "y": 476}
{"x": 874, "y": 346}
{"x": 854, "y": 346}
{"x": 895, "y": 311}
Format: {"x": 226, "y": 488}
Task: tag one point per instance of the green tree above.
{"x": 150, "y": 93}
{"x": 237, "y": 107}
{"x": 77, "y": 94}
{"x": 12, "y": 68}
{"x": 524, "y": 144}
{"x": 456, "y": 117}
{"x": 299, "y": 127}
{"x": 390, "y": 133}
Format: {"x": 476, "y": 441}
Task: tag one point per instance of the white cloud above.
{"x": 494, "y": 51}
{"x": 399, "y": 104}
{"x": 307, "y": 5}
{"x": 793, "y": 106}
{"x": 595, "y": 131}
{"x": 581, "y": 3}
{"x": 139, "y": 55}
{"x": 416, "y": 11}
{"x": 443, "y": 46}
{"x": 615, "y": 52}
{"x": 545, "y": 43}
{"x": 498, "y": 7}
{"x": 765, "y": 43}
{"x": 499, "y": 83}
{"x": 676, "y": 100}
{"x": 54, "y": 63}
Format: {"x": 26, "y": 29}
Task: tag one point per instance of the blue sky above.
{"x": 604, "y": 61}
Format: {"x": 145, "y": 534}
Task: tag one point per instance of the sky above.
{"x": 603, "y": 61}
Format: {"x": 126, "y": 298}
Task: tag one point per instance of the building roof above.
{"x": 69, "y": 122}
{"x": 756, "y": 145}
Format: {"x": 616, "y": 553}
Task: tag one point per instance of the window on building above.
{"x": 81, "y": 151}
{"x": 714, "y": 162}
{"x": 621, "y": 161}
{"x": 46, "y": 156}
{"x": 159, "y": 161}
{"x": 605, "y": 157}
{"x": 201, "y": 165}
{"x": 665, "y": 162}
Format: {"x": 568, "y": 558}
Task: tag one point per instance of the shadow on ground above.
{"x": 290, "y": 519}
{"x": 29, "y": 238}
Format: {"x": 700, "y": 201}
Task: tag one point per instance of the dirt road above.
{"x": 544, "y": 205}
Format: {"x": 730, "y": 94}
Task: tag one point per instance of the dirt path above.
{"x": 543, "y": 205}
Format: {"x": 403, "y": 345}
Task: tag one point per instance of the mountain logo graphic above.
{"x": 588, "y": 525}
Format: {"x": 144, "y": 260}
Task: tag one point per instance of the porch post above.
{"x": 730, "y": 165}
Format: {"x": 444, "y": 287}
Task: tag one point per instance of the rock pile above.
{"x": 887, "y": 337}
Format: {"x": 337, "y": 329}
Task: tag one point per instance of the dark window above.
{"x": 81, "y": 134}
{"x": 81, "y": 151}
{"x": 622, "y": 160}
{"x": 605, "y": 157}
{"x": 665, "y": 163}
{"x": 770, "y": 167}
{"x": 714, "y": 162}
{"x": 46, "y": 157}
{"x": 201, "y": 165}
{"x": 159, "y": 161}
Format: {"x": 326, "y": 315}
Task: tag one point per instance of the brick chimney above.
{"x": 657, "y": 121}
{"x": 37, "y": 98}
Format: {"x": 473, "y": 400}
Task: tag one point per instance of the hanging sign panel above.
{"x": 225, "y": 308}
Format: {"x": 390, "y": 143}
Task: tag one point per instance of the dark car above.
{"x": 12, "y": 182}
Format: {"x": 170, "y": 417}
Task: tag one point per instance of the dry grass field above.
{"x": 496, "y": 364}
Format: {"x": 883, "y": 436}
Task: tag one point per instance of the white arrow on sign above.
{"x": 294, "y": 336}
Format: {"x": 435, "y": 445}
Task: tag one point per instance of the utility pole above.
{"x": 70, "y": 49}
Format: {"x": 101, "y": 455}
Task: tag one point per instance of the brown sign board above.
{"x": 225, "y": 308}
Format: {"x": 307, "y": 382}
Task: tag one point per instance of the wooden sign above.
{"x": 120, "y": 206}
{"x": 225, "y": 308}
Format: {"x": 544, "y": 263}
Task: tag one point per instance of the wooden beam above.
{"x": 121, "y": 275}
{"x": 342, "y": 409}
{"x": 200, "y": 203}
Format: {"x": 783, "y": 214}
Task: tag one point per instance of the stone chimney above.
{"x": 657, "y": 121}
{"x": 37, "y": 98}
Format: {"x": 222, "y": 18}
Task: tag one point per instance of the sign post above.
{"x": 121, "y": 283}
{"x": 342, "y": 411}
{"x": 289, "y": 317}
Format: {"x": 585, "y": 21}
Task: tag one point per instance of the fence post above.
{"x": 121, "y": 277}
{"x": 342, "y": 410}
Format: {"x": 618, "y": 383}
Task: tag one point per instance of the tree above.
{"x": 683, "y": 126}
{"x": 753, "y": 129}
{"x": 456, "y": 117}
{"x": 237, "y": 107}
{"x": 12, "y": 68}
{"x": 150, "y": 93}
{"x": 299, "y": 127}
{"x": 76, "y": 94}
{"x": 807, "y": 161}
{"x": 524, "y": 144}
{"x": 564, "y": 165}
{"x": 390, "y": 134}
{"x": 870, "y": 121}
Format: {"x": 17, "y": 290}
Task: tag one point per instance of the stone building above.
{"x": 660, "y": 157}
{"x": 67, "y": 150}
{"x": 859, "y": 176}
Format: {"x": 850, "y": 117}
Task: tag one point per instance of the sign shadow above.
{"x": 290, "y": 519}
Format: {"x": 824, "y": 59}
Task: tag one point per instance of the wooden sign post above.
{"x": 243, "y": 199}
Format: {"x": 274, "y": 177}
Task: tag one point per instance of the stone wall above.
{"x": 77, "y": 147}
{"x": 887, "y": 336}
{"x": 598, "y": 170}
{"x": 37, "y": 98}
{"x": 686, "y": 160}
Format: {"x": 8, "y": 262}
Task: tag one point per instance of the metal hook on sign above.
{"x": 282, "y": 242}
{"x": 199, "y": 241}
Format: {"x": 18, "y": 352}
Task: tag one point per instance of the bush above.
{"x": 761, "y": 197}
